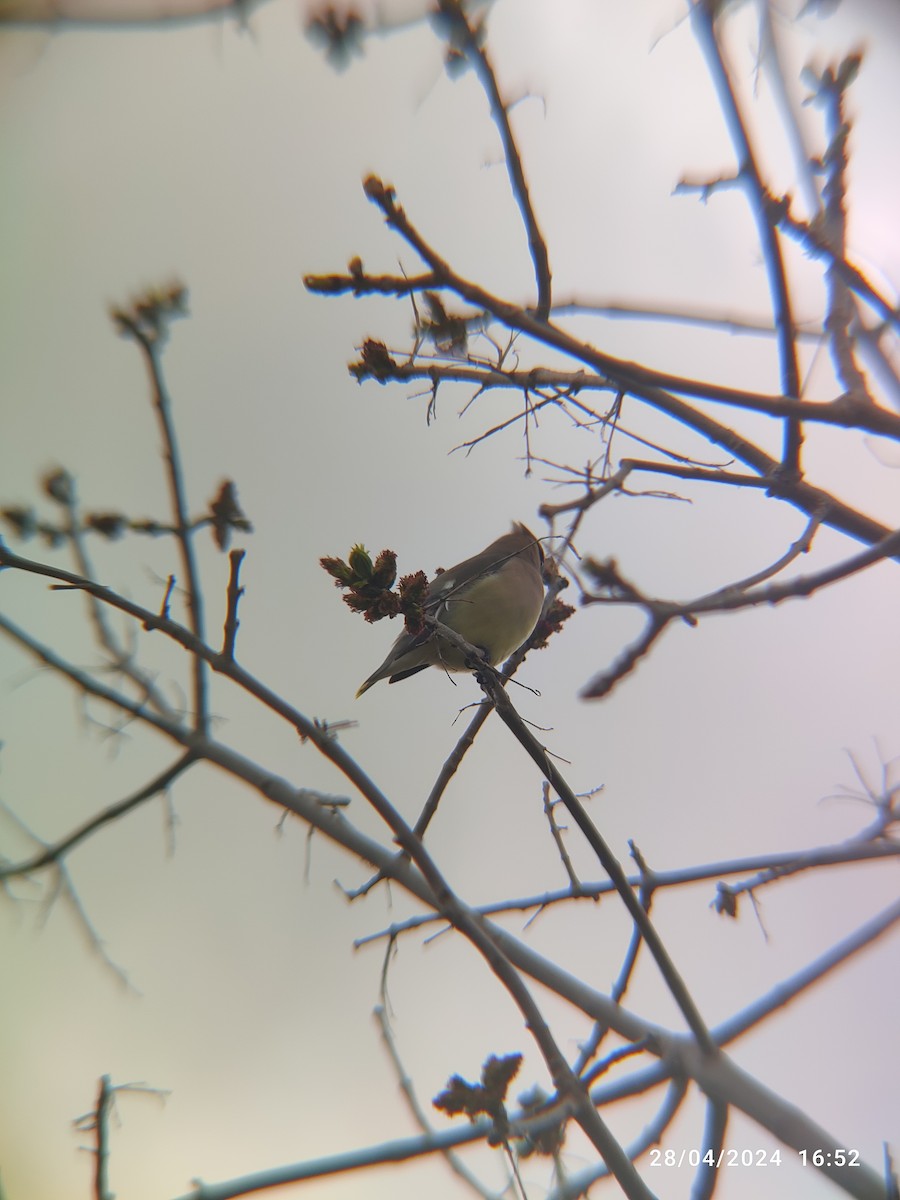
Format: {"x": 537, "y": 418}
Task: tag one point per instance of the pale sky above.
{"x": 233, "y": 161}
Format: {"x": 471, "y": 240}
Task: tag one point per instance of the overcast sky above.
{"x": 232, "y": 160}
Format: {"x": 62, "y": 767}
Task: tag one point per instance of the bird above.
{"x": 493, "y": 600}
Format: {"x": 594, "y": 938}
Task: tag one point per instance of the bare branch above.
{"x": 148, "y": 335}
{"x": 468, "y": 41}
{"x": 454, "y": 1162}
{"x": 842, "y": 311}
{"x": 630, "y": 376}
{"x": 815, "y": 246}
{"x": 703, "y": 15}
{"x": 58, "y": 851}
{"x": 235, "y": 591}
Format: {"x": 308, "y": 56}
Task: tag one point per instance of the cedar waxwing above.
{"x": 493, "y": 600}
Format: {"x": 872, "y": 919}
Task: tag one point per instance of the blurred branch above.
{"x": 56, "y": 852}
{"x": 146, "y": 322}
{"x": 807, "y": 977}
{"x": 97, "y": 1122}
{"x": 841, "y": 312}
{"x": 646, "y": 888}
{"x": 703, "y": 16}
{"x": 577, "y": 1183}
{"x": 713, "y": 1142}
{"x": 60, "y": 487}
{"x": 773, "y": 62}
{"x": 62, "y": 15}
{"x": 315, "y": 808}
{"x": 469, "y": 41}
{"x": 494, "y": 688}
{"x": 816, "y": 246}
{"x": 454, "y": 1162}
{"x": 744, "y": 594}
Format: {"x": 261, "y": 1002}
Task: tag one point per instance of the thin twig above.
{"x": 620, "y": 984}
{"x": 494, "y": 689}
{"x": 97, "y": 1123}
{"x": 463, "y": 34}
{"x": 815, "y": 246}
{"x": 710, "y": 1154}
{"x": 150, "y": 348}
{"x": 445, "y": 900}
{"x": 661, "y": 613}
{"x": 780, "y": 865}
{"x": 556, "y": 834}
{"x": 630, "y": 376}
{"x": 454, "y": 1162}
{"x": 703, "y": 15}
{"x": 576, "y": 1185}
{"x": 841, "y": 310}
{"x": 773, "y": 64}
{"x": 235, "y": 591}
{"x": 611, "y": 372}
